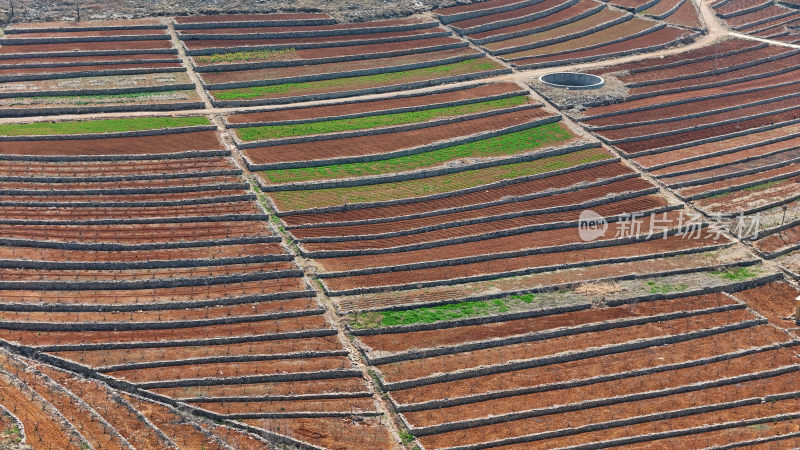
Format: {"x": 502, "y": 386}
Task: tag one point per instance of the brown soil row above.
{"x": 78, "y": 415}
{"x": 400, "y": 342}
{"x": 67, "y": 199}
{"x": 724, "y": 159}
{"x": 736, "y": 114}
{"x": 137, "y": 184}
{"x": 695, "y": 107}
{"x": 732, "y": 88}
{"x": 658, "y": 37}
{"x": 779, "y": 241}
{"x": 167, "y": 143}
{"x": 749, "y": 389}
{"x": 705, "y": 347}
{"x": 474, "y": 198}
{"x": 156, "y": 295}
{"x": 336, "y": 433}
{"x": 774, "y": 301}
{"x": 514, "y": 13}
{"x": 249, "y": 17}
{"x": 67, "y": 25}
{"x": 724, "y": 144}
{"x": 717, "y": 78}
{"x": 226, "y": 251}
{"x": 640, "y": 384}
{"x": 98, "y": 397}
{"x": 294, "y": 71}
{"x": 412, "y": 369}
{"x": 621, "y": 207}
{"x": 565, "y": 199}
{"x": 523, "y": 262}
{"x": 689, "y": 136}
{"x": 65, "y": 213}
{"x": 211, "y": 312}
{"x": 325, "y": 111}
{"x": 739, "y": 180}
{"x": 67, "y": 33}
{"x": 100, "y": 358}
{"x": 179, "y": 430}
{"x": 473, "y": 7}
{"x": 21, "y": 275}
{"x": 531, "y": 240}
{"x": 354, "y": 405}
{"x": 94, "y": 58}
{"x": 85, "y": 46}
{"x": 730, "y": 169}
{"x": 242, "y": 29}
{"x": 706, "y": 65}
{"x": 344, "y": 39}
{"x": 240, "y": 440}
{"x": 112, "y": 168}
{"x": 172, "y": 334}
{"x": 38, "y": 70}
{"x": 261, "y": 389}
{"x": 367, "y": 49}
{"x": 139, "y": 233}
{"x": 385, "y": 143}
{"x": 235, "y": 369}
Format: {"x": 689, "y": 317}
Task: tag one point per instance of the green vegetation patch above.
{"x": 383, "y": 120}
{"x": 99, "y": 126}
{"x": 507, "y": 144}
{"x": 665, "y": 288}
{"x": 763, "y": 186}
{"x": 440, "y": 313}
{"x": 738, "y": 273}
{"x": 256, "y": 55}
{"x": 302, "y": 199}
{"x": 287, "y": 89}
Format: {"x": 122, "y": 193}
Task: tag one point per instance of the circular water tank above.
{"x": 572, "y": 80}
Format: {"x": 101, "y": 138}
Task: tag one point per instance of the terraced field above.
{"x": 65, "y": 68}
{"x": 772, "y": 20}
{"x": 391, "y": 235}
{"x": 535, "y": 34}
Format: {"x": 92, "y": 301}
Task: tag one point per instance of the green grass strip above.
{"x": 433, "y": 314}
{"x": 507, "y": 144}
{"x": 285, "y": 89}
{"x": 291, "y": 200}
{"x": 99, "y": 126}
{"x": 738, "y": 273}
{"x": 383, "y": 120}
{"x": 257, "y": 55}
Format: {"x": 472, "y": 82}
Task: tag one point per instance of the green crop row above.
{"x": 99, "y": 126}
{"x": 255, "y": 55}
{"x": 292, "y": 200}
{"x": 382, "y": 120}
{"x": 507, "y": 144}
{"x": 285, "y": 89}
{"x": 440, "y": 313}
